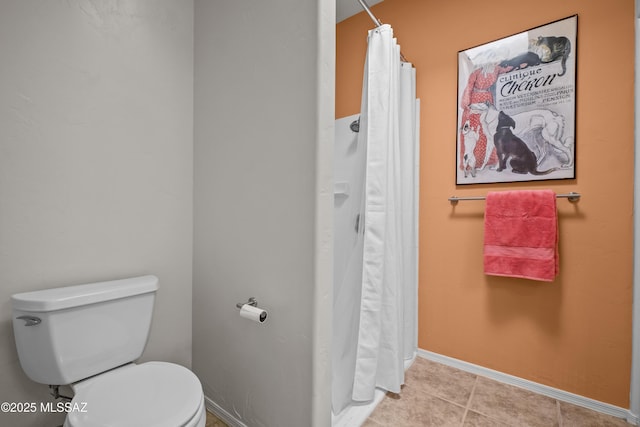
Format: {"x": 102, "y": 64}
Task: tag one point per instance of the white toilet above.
{"x": 87, "y": 336}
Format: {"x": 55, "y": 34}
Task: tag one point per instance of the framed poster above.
{"x": 516, "y": 107}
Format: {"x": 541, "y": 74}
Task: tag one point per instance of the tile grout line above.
{"x": 466, "y": 408}
{"x": 559, "y": 413}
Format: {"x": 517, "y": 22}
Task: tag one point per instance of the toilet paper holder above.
{"x": 250, "y": 310}
{"x": 252, "y": 301}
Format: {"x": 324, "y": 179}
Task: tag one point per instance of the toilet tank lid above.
{"x": 73, "y": 296}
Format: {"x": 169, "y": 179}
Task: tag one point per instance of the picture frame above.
{"x": 517, "y": 107}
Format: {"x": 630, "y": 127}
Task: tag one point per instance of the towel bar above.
{"x": 572, "y": 196}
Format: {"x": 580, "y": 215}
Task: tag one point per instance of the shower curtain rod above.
{"x": 376, "y": 21}
{"x": 366, "y": 8}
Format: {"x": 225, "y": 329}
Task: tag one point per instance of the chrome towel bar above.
{"x": 572, "y": 196}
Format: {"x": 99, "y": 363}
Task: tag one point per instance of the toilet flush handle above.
{"x": 30, "y": 320}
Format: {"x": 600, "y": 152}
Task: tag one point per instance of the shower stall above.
{"x": 375, "y": 283}
{"x": 351, "y": 172}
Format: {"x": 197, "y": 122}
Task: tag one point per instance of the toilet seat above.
{"x": 158, "y": 394}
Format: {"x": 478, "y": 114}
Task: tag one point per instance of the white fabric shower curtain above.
{"x": 388, "y": 128}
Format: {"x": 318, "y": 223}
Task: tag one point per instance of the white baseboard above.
{"x": 552, "y": 392}
{"x": 219, "y": 412}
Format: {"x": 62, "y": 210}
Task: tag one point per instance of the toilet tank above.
{"x": 67, "y": 334}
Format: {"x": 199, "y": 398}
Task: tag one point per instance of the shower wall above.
{"x": 349, "y": 173}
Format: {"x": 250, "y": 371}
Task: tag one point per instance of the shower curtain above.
{"x": 388, "y": 130}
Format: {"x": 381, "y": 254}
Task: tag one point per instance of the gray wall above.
{"x": 96, "y": 162}
{"x": 263, "y": 127}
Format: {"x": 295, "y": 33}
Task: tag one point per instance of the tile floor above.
{"x": 439, "y": 395}
{"x": 213, "y": 421}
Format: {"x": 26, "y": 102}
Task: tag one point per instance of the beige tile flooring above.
{"x": 213, "y": 421}
{"x": 439, "y": 395}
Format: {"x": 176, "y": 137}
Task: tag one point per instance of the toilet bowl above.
{"x": 88, "y": 336}
{"x": 155, "y": 394}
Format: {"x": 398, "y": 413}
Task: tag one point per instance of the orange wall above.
{"x": 575, "y": 333}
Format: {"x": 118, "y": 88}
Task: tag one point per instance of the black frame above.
{"x": 531, "y": 78}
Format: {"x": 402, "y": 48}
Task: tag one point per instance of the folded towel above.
{"x": 521, "y": 234}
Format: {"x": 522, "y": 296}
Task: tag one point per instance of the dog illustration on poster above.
{"x": 520, "y": 88}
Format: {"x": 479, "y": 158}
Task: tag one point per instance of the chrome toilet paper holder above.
{"x": 252, "y": 301}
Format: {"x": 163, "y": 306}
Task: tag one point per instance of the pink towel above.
{"x": 521, "y": 234}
